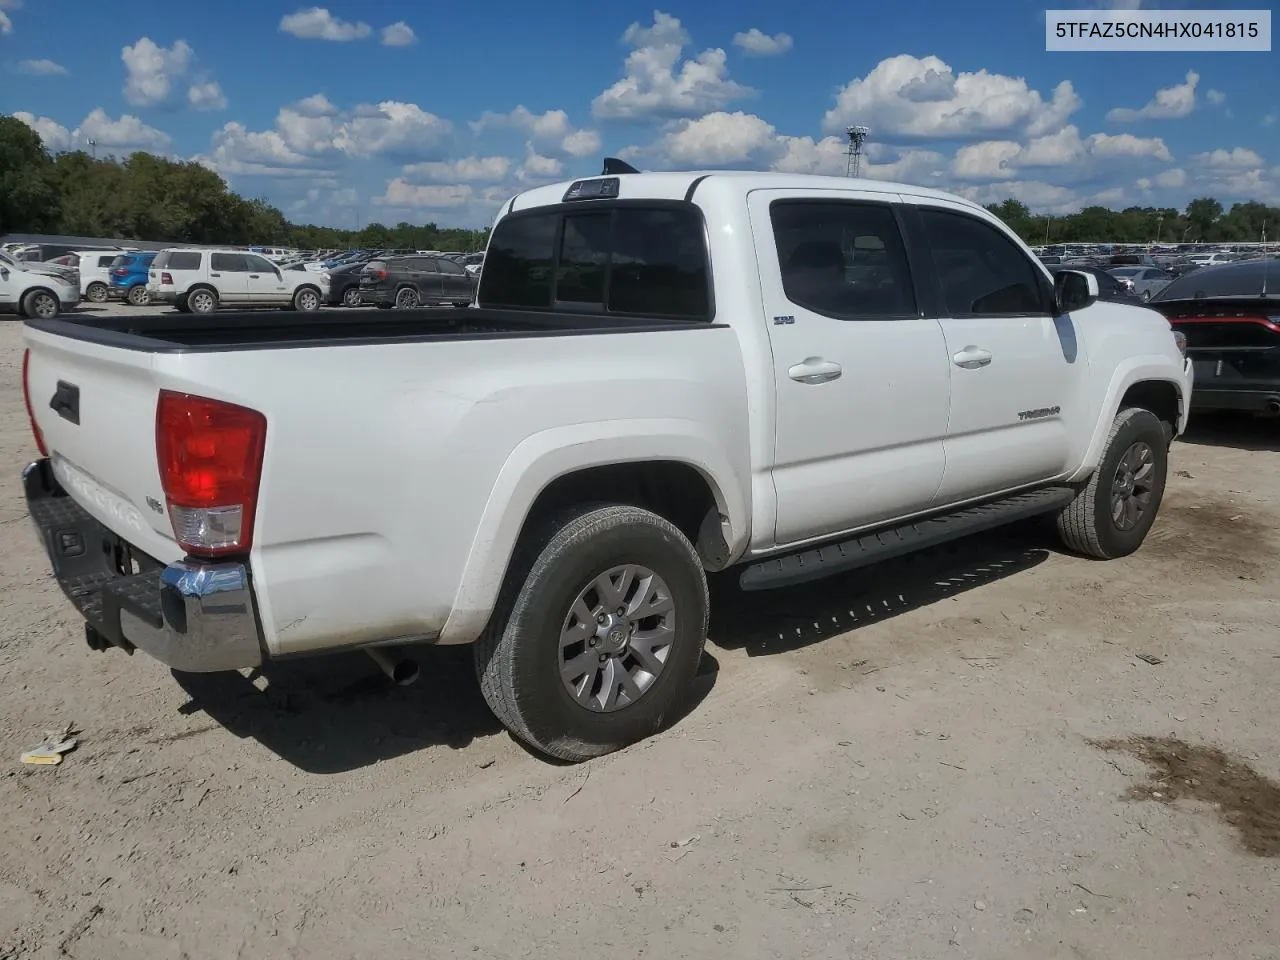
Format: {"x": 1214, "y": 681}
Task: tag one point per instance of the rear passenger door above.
{"x": 860, "y": 372}
{"x": 422, "y": 272}
{"x": 230, "y": 276}
{"x": 1015, "y": 369}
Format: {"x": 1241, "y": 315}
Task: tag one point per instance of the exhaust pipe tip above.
{"x": 400, "y": 669}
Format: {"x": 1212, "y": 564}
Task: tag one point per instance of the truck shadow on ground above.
{"x": 333, "y": 714}
{"x": 1241, "y": 431}
{"x": 778, "y": 621}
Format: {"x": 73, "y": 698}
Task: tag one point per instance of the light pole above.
{"x": 93, "y": 147}
{"x": 1047, "y": 218}
{"x": 1159, "y": 226}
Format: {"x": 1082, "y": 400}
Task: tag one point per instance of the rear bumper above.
{"x": 1250, "y": 400}
{"x": 197, "y": 617}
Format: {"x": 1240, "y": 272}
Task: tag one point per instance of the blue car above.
{"x": 128, "y": 275}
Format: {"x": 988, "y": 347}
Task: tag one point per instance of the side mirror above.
{"x": 4, "y": 273}
{"x": 1074, "y": 290}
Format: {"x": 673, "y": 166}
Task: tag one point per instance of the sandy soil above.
{"x": 935, "y": 760}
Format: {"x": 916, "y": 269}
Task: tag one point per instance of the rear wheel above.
{"x": 40, "y": 305}
{"x": 138, "y": 295}
{"x": 406, "y": 298}
{"x": 1111, "y": 515}
{"x": 181, "y": 305}
{"x": 202, "y": 300}
{"x": 97, "y": 292}
{"x": 597, "y": 634}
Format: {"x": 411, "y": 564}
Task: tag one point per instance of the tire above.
{"x": 1088, "y": 525}
{"x": 181, "y": 305}
{"x": 97, "y": 293}
{"x": 40, "y": 305}
{"x": 406, "y": 298}
{"x": 306, "y": 300}
{"x": 351, "y": 297}
{"x": 518, "y": 659}
{"x": 138, "y": 295}
{"x": 202, "y": 301}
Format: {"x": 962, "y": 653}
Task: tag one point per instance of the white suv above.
{"x": 28, "y": 293}
{"x": 95, "y": 273}
{"x": 200, "y": 280}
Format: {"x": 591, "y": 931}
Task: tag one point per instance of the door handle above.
{"x": 253, "y": 276}
{"x": 971, "y": 358}
{"x": 814, "y": 370}
{"x": 215, "y": 274}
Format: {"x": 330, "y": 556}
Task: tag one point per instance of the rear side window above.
{"x": 106, "y": 261}
{"x": 228, "y": 263}
{"x": 421, "y": 264}
{"x": 981, "y": 271}
{"x": 183, "y": 260}
{"x": 647, "y": 261}
{"x": 843, "y": 259}
{"x": 450, "y": 266}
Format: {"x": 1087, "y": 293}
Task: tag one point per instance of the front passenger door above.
{"x": 265, "y": 284}
{"x": 229, "y": 274}
{"x": 1015, "y": 368}
{"x": 457, "y": 286}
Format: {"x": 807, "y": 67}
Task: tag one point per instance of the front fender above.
{"x": 1130, "y": 371}
{"x": 544, "y": 457}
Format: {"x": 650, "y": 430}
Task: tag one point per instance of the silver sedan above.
{"x": 1144, "y": 282}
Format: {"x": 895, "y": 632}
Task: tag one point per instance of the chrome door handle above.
{"x": 814, "y": 370}
{"x": 215, "y": 274}
{"x": 254, "y": 276}
{"x": 971, "y": 358}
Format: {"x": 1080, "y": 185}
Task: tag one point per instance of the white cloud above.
{"x": 391, "y": 127}
{"x": 1241, "y": 158}
{"x": 399, "y": 34}
{"x": 39, "y": 68}
{"x": 717, "y": 139}
{"x": 539, "y": 168}
{"x": 474, "y": 169}
{"x": 56, "y": 137}
{"x": 1177, "y": 177}
{"x": 657, "y": 83}
{"x": 995, "y": 159}
{"x": 6, "y": 24}
{"x": 551, "y": 129}
{"x": 906, "y": 97}
{"x": 1169, "y": 103}
{"x": 317, "y": 23}
{"x": 1216, "y": 97}
{"x": 128, "y": 131}
{"x": 166, "y": 76}
{"x": 760, "y": 44}
{"x": 235, "y": 150}
{"x": 1041, "y": 197}
{"x": 400, "y": 194}
{"x": 1269, "y": 120}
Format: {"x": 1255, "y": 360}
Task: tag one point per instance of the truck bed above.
{"x": 274, "y": 329}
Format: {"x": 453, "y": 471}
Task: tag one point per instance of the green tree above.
{"x": 1203, "y": 215}
{"x": 28, "y": 201}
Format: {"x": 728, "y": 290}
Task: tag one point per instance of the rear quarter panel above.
{"x": 397, "y": 476}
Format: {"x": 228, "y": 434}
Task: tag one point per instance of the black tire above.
{"x": 407, "y": 298}
{"x": 518, "y": 657}
{"x": 138, "y": 295}
{"x": 181, "y": 305}
{"x": 1087, "y": 524}
{"x": 351, "y": 297}
{"x": 306, "y": 300}
{"x": 202, "y": 301}
{"x": 97, "y": 292}
{"x": 40, "y": 304}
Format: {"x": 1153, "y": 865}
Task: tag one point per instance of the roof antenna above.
{"x": 613, "y": 166}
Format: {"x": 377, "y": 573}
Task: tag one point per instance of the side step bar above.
{"x": 868, "y": 548}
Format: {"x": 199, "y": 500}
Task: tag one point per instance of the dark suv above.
{"x": 406, "y": 282}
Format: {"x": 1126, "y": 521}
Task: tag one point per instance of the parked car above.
{"x": 1131, "y": 260}
{"x": 344, "y": 285}
{"x": 129, "y": 277}
{"x": 1109, "y": 288}
{"x": 199, "y": 281}
{"x": 407, "y": 282}
{"x": 32, "y": 293}
{"x": 1230, "y": 316}
{"x": 648, "y": 389}
{"x": 95, "y": 274}
{"x": 1145, "y": 282}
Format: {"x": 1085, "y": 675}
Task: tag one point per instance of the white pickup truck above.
{"x": 665, "y": 374}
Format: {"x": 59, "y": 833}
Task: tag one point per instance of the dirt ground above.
{"x": 959, "y": 755}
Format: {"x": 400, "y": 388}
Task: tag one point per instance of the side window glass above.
{"x": 584, "y": 258}
{"x": 228, "y": 263}
{"x": 980, "y": 270}
{"x": 518, "y": 271}
{"x": 258, "y": 264}
{"x": 843, "y": 259}
{"x": 659, "y": 263}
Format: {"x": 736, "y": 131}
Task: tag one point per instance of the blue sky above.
{"x": 353, "y": 112}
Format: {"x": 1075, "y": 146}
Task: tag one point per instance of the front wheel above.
{"x": 1113, "y": 512}
{"x": 598, "y": 632}
{"x": 97, "y": 293}
{"x": 138, "y": 295}
{"x": 40, "y": 305}
{"x": 406, "y": 298}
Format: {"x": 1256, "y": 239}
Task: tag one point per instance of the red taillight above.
{"x": 120, "y": 272}
{"x": 166, "y": 279}
{"x": 210, "y": 456}
{"x": 379, "y": 274}
{"x": 26, "y": 398}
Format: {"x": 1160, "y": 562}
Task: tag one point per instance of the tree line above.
{"x": 1203, "y": 221}
{"x": 145, "y": 197}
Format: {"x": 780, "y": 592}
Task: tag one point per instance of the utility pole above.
{"x": 93, "y": 147}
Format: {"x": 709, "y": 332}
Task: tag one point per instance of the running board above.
{"x": 861, "y": 551}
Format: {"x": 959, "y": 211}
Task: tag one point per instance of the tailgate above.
{"x": 96, "y": 407}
